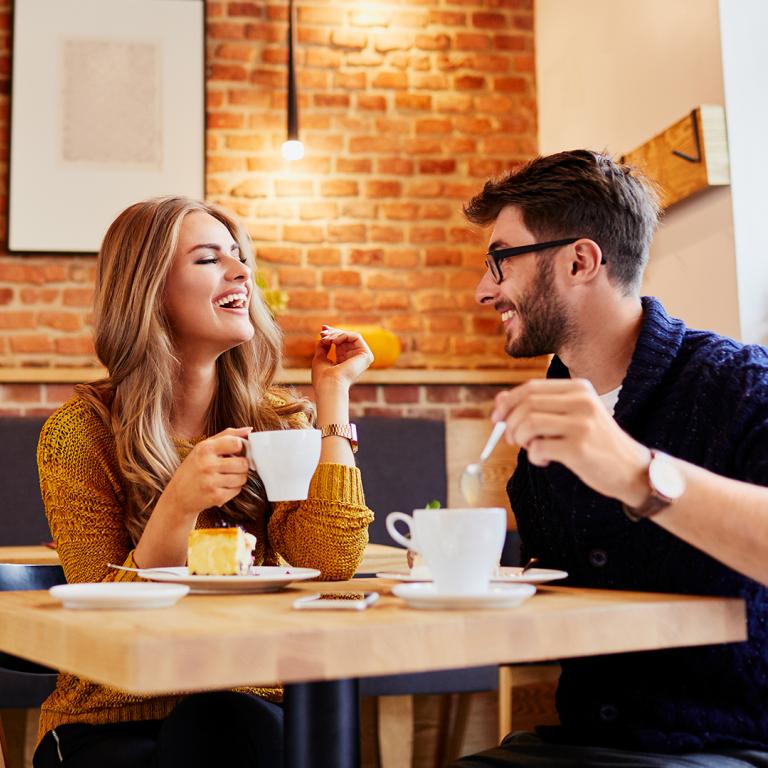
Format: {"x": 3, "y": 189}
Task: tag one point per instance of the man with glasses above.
{"x": 643, "y": 466}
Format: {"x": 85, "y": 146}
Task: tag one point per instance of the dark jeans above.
{"x": 527, "y": 750}
{"x": 224, "y": 728}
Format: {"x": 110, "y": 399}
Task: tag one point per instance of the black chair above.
{"x": 22, "y": 518}
{"x": 402, "y": 461}
{"x": 24, "y": 684}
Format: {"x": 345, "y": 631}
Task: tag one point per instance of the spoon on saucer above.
{"x": 471, "y": 482}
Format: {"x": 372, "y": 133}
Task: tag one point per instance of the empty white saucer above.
{"x": 424, "y": 595}
{"x": 118, "y": 594}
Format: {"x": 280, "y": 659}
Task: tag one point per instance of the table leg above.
{"x": 322, "y": 725}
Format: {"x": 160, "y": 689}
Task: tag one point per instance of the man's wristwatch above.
{"x": 341, "y": 430}
{"x": 666, "y": 485}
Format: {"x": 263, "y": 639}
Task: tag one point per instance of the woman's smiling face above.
{"x": 208, "y": 290}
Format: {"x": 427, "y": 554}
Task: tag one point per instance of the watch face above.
{"x": 666, "y": 478}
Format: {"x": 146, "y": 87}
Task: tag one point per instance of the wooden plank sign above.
{"x": 687, "y": 157}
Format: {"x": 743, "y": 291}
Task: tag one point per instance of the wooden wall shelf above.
{"x": 687, "y": 157}
{"x": 301, "y": 376}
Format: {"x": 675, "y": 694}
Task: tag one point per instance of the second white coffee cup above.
{"x": 462, "y": 547}
{"x": 285, "y": 459}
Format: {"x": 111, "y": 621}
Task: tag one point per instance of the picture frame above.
{"x": 107, "y": 108}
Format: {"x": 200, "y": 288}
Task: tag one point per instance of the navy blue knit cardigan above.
{"x": 703, "y": 398}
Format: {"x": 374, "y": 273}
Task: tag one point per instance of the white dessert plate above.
{"x": 506, "y": 575}
{"x": 498, "y": 596}
{"x": 119, "y": 594}
{"x": 261, "y": 578}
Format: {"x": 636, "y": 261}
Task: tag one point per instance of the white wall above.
{"x": 611, "y": 74}
{"x": 744, "y": 26}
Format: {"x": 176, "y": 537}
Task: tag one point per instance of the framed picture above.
{"x": 107, "y": 108}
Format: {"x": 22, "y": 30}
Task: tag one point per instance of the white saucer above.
{"x": 498, "y": 596}
{"x": 260, "y": 578}
{"x": 506, "y": 575}
{"x": 119, "y": 594}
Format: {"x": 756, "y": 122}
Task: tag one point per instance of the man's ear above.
{"x": 586, "y": 257}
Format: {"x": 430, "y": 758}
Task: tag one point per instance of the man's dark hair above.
{"x": 579, "y": 193}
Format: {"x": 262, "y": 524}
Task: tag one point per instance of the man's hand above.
{"x": 563, "y": 420}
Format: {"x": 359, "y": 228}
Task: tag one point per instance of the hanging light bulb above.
{"x": 292, "y": 148}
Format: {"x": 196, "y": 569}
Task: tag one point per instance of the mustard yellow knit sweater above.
{"x": 84, "y": 497}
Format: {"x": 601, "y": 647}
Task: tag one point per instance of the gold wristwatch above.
{"x": 349, "y": 431}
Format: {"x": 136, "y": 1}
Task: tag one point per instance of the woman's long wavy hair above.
{"x": 134, "y": 341}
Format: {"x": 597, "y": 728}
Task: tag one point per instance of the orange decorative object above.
{"x": 383, "y": 343}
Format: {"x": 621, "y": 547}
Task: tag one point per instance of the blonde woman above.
{"x": 132, "y": 463}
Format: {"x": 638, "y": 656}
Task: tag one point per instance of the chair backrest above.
{"x": 23, "y": 576}
{"x": 403, "y": 465}
{"x": 465, "y": 439}
{"x": 23, "y": 683}
{"x": 22, "y": 516}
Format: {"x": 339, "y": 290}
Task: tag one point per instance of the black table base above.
{"x": 322, "y": 725}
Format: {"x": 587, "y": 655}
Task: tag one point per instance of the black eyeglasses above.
{"x": 494, "y": 258}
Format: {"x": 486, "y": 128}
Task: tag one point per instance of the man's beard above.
{"x": 544, "y": 323}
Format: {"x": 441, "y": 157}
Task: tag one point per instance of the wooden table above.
{"x": 36, "y": 554}
{"x": 155, "y": 652}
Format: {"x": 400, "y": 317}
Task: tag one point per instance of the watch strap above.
{"x": 655, "y": 501}
{"x": 348, "y": 431}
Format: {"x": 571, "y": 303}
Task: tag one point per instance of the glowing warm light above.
{"x": 293, "y": 149}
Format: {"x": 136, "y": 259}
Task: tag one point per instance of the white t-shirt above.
{"x": 609, "y": 399}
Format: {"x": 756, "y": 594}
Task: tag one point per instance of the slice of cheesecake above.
{"x": 220, "y": 551}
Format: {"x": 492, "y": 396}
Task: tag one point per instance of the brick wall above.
{"x": 405, "y": 109}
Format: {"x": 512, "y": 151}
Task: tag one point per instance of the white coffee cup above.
{"x": 285, "y": 460}
{"x": 461, "y": 547}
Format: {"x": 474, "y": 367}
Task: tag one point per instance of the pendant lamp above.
{"x": 292, "y": 148}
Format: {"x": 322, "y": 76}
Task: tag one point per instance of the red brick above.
{"x": 395, "y": 80}
{"x": 353, "y": 301}
{"x": 62, "y": 321}
{"x": 384, "y": 281}
{"x": 341, "y": 278}
{"x": 331, "y": 100}
{"x": 303, "y": 233}
{"x": 291, "y": 276}
{"x": 395, "y": 165}
{"x": 386, "y": 301}
{"x": 489, "y": 20}
{"x": 57, "y": 394}
{"x": 424, "y": 146}
{"x": 471, "y": 42}
{"x": 393, "y": 40}
{"x": 366, "y": 256}
{"x": 278, "y": 254}
{"x": 413, "y": 101}
{"x": 433, "y": 125}
{"x": 400, "y": 211}
{"x": 448, "y": 18}
{"x": 320, "y": 15}
{"x": 225, "y": 30}
{"x": 349, "y": 38}
{"x": 469, "y": 83}
{"x": 17, "y": 320}
{"x": 324, "y": 256}
{"x": 371, "y": 102}
{"x": 364, "y": 393}
{"x": 32, "y": 343}
{"x": 346, "y": 233}
{"x": 252, "y": 10}
{"x": 442, "y": 257}
{"x": 453, "y": 102}
{"x": 235, "y": 52}
{"x": 77, "y": 297}
{"x": 338, "y": 188}
{"x": 355, "y": 81}
{"x": 444, "y": 393}
{"x": 383, "y": 188}
{"x": 252, "y": 188}
{"x": 353, "y": 165}
{"x": 324, "y": 58}
{"x": 428, "y": 188}
{"x": 6, "y": 296}
{"x": 433, "y": 42}
{"x": 385, "y": 234}
{"x": 399, "y": 393}
{"x": 308, "y": 299}
{"x": 227, "y": 72}
{"x": 437, "y": 166}
{"x": 75, "y": 345}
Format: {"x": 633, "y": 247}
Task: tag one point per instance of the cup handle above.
{"x": 392, "y": 518}
{"x": 249, "y": 455}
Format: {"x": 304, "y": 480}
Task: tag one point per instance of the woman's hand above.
{"x": 352, "y": 358}
{"x": 212, "y": 474}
